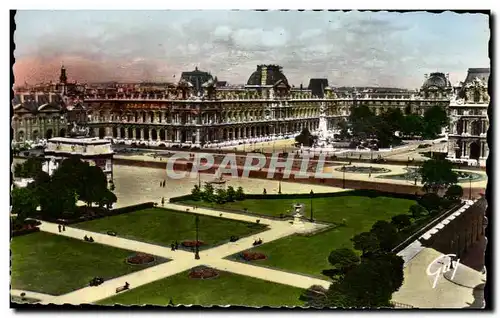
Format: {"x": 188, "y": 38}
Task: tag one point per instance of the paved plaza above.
{"x": 140, "y": 184}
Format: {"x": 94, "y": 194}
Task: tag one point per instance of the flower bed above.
{"x": 25, "y": 230}
{"x": 140, "y": 259}
{"x": 252, "y": 256}
{"x": 192, "y": 243}
{"x": 203, "y": 272}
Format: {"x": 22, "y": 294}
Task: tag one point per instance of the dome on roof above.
{"x": 437, "y": 80}
{"x": 267, "y": 75}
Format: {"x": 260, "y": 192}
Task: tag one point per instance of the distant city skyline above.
{"x": 349, "y": 48}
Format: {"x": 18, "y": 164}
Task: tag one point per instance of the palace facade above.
{"x": 469, "y": 122}
{"x": 266, "y": 107}
{"x": 44, "y": 111}
{"x": 200, "y": 111}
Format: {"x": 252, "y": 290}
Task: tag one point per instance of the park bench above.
{"x": 121, "y": 288}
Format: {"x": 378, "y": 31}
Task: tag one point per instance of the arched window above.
{"x": 477, "y": 96}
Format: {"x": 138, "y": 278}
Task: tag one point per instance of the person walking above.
{"x": 64, "y": 227}
{"x": 59, "y": 228}
{"x": 162, "y": 201}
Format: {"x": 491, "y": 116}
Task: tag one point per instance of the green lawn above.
{"x": 309, "y": 255}
{"x": 360, "y": 210}
{"x": 162, "y": 227}
{"x": 53, "y": 264}
{"x": 226, "y": 289}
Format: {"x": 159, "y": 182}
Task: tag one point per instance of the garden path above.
{"x": 182, "y": 260}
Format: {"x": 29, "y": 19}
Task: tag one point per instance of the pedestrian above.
{"x": 162, "y": 201}
{"x": 59, "y": 227}
{"x": 160, "y": 184}
{"x": 172, "y": 246}
{"x": 176, "y": 245}
{"x": 64, "y": 227}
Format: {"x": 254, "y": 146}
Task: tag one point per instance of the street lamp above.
{"x": 470, "y": 187}
{"x": 311, "y": 193}
{"x": 343, "y": 177}
{"x": 196, "y": 246}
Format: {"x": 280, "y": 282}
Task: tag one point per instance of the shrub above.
{"x": 343, "y": 259}
{"x": 430, "y": 201}
{"x": 401, "y": 221}
{"x": 417, "y": 211}
{"x": 454, "y": 192}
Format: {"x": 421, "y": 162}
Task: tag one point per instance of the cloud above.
{"x": 387, "y": 49}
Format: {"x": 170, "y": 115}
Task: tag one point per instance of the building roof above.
{"x": 438, "y": 80}
{"x": 317, "y": 86}
{"x": 482, "y": 73}
{"x": 197, "y": 78}
{"x": 35, "y": 102}
{"x": 267, "y": 75}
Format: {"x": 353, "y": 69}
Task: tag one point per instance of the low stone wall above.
{"x": 461, "y": 230}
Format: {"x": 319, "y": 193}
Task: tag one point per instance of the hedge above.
{"x": 24, "y": 231}
{"x": 103, "y": 213}
{"x": 363, "y": 193}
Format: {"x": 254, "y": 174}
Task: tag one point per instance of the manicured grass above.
{"x": 226, "y": 289}
{"x": 359, "y": 209}
{"x": 309, "y": 255}
{"x": 53, "y": 264}
{"x": 162, "y": 227}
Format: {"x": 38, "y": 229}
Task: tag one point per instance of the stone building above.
{"x": 265, "y": 107}
{"x": 43, "y": 111}
{"x": 469, "y": 122}
{"x": 201, "y": 111}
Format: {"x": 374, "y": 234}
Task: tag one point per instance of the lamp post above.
{"x": 196, "y": 246}
{"x": 343, "y": 177}
{"x": 311, "y": 193}
{"x": 470, "y": 187}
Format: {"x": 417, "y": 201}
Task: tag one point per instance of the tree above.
{"x": 401, "y": 221}
{"x": 435, "y": 118}
{"x": 365, "y": 242}
{"x": 196, "y": 193}
{"x": 305, "y": 138}
{"x": 24, "y": 203}
{"x": 454, "y": 192}
{"x": 417, "y": 210}
{"x": 29, "y": 168}
{"x": 412, "y": 125}
{"x": 362, "y": 121}
{"x": 221, "y": 196}
{"x": 430, "y": 201}
{"x": 240, "y": 195}
{"x": 230, "y": 194}
{"x": 93, "y": 187}
{"x": 386, "y": 234}
{"x": 369, "y": 284}
{"x": 437, "y": 174}
{"x": 343, "y": 259}
{"x": 208, "y": 193}
{"x": 108, "y": 199}
{"x": 344, "y": 130}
